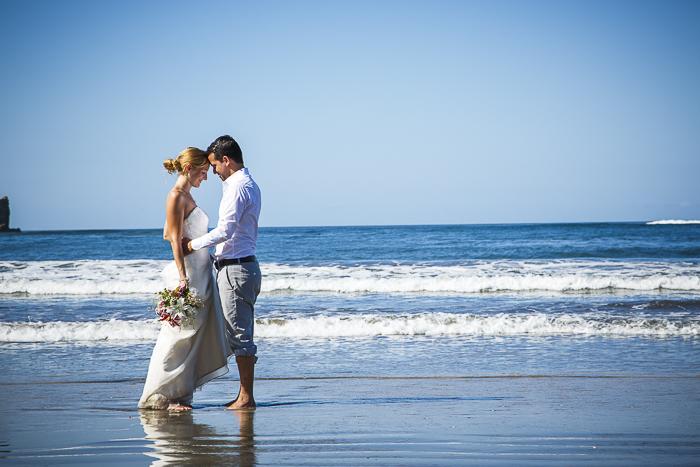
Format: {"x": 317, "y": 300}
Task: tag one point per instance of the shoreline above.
{"x": 503, "y": 420}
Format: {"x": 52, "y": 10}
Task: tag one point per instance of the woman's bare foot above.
{"x": 177, "y": 407}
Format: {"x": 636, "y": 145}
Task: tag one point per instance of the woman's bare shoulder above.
{"x": 180, "y": 202}
{"x": 177, "y": 197}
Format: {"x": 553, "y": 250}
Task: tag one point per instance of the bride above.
{"x": 185, "y": 358}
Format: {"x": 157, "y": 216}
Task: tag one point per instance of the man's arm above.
{"x": 187, "y": 245}
{"x": 232, "y": 205}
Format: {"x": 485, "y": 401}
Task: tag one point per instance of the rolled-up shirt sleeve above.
{"x": 230, "y": 211}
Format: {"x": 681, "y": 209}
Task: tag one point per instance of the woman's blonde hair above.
{"x": 192, "y": 156}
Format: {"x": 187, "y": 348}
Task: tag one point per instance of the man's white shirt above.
{"x": 236, "y": 233}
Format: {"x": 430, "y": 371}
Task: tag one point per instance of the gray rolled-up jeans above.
{"x": 239, "y": 286}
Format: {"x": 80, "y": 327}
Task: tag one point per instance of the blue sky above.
{"x": 354, "y": 113}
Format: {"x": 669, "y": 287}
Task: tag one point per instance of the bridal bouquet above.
{"x": 177, "y": 306}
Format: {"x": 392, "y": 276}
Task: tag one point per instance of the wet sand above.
{"x": 354, "y": 421}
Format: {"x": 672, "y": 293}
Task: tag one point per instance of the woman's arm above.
{"x": 175, "y": 209}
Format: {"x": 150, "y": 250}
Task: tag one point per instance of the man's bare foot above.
{"x": 177, "y": 407}
{"x": 246, "y": 370}
{"x": 240, "y": 403}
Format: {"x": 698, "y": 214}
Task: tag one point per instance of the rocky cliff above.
{"x": 5, "y": 215}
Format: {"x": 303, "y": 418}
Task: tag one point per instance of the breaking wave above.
{"x": 91, "y": 277}
{"x": 485, "y": 277}
{"x": 371, "y": 325}
{"x": 96, "y": 331}
{"x": 672, "y": 222}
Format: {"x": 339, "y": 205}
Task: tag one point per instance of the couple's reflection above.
{"x": 179, "y": 440}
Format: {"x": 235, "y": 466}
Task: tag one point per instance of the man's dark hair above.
{"x": 226, "y": 146}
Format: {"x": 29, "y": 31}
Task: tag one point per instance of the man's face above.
{"x": 220, "y": 168}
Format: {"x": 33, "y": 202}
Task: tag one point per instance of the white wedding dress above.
{"x": 186, "y": 358}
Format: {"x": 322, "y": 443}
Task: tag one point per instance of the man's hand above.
{"x": 187, "y": 246}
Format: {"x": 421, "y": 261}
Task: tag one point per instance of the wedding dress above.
{"x": 185, "y": 358}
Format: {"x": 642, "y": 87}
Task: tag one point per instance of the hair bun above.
{"x": 172, "y": 166}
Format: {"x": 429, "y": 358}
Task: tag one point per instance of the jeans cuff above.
{"x": 246, "y": 352}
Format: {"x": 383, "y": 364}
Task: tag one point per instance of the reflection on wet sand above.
{"x": 179, "y": 440}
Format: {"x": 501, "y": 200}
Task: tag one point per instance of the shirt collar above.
{"x": 237, "y": 175}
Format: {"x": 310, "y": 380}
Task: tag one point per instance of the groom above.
{"x": 238, "y": 273}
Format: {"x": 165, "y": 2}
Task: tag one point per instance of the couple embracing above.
{"x": 188, "y": 356}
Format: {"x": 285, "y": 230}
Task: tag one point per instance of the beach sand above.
{"x": 527, "y": 420}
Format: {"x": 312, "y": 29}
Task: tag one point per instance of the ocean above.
{"x": 593, "y": 300}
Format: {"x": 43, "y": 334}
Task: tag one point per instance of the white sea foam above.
{"x": 672, "y": 221}
{"x": 86, "y": 277}
{"x": 128, "y": 277}
{"x": 59, "y": 331}
{"x": 494, "y": 276}
{"x": 436, "y": 324}
{"x": 369, "y": 325}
